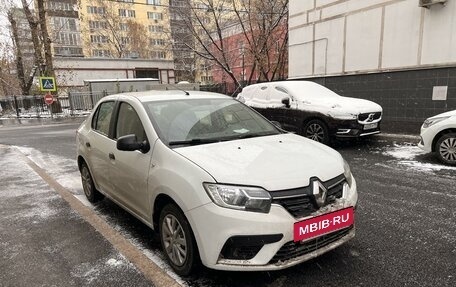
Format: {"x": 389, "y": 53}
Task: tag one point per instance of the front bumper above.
{"x": 213, "y": 226}
{"x": 354, "y": 129}
{"x": 426, "y": 138}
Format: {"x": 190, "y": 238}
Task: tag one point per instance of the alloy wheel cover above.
{"x": 86, "y": 182}
{"x": 315, "y": 132}
{"x": 174, "y": 240}
{"x": 447, "y": 149}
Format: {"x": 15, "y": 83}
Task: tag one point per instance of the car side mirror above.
{"x": 286, "y": 102}
{"x": 130, "y": 143}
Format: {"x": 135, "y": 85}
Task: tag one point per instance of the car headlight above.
{"x": 239, "y": 197}
{"x": 347, "y": 173}
{"x": 432, "y": 121}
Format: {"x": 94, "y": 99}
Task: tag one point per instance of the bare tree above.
{"x": 265, "y": 27}
{"x": 262, "y": 24}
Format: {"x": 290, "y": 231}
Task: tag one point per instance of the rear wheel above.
{"x": 446, "y": 148}
{"x": 316, "y": 130}
{"x": 177, "y": 240}
{"x": 92, "y": 194}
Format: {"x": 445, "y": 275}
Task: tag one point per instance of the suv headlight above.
{"x": 432, "y": 121}
{"x": 239, "y": 197}
{"x": 347, "y": 173}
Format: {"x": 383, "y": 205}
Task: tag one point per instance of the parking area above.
{"x": 405, "y": 222}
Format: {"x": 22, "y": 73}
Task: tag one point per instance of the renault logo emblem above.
{"x": 319, "y": 191}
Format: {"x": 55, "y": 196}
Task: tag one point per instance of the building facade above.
{"x": 95, "y": 39}
{"x": 394, "y": 52}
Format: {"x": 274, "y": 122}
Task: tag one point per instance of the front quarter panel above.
{"x": 177, "y": 177}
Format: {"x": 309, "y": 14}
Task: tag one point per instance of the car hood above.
{"x": 273, "y": 162}
{"x": 446, "y": 114}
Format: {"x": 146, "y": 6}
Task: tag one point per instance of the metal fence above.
{"x": 73, "y": 104}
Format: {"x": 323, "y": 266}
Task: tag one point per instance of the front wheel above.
{"x": 177, "y": 240}
{"x": 316, "y": 130}
{"x": 446, "y": 149}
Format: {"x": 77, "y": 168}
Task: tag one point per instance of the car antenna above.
{"x": 178, "y": 88}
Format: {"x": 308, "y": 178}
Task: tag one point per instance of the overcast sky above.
{"x": 4, "y": 24}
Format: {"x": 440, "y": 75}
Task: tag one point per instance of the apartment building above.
{"x": 110, "y": 39}
{"x": 398, "y": 53}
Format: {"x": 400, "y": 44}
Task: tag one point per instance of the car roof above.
{"x": 157, "y": 95}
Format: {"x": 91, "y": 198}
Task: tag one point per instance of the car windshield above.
{"x": 200, "y": 121}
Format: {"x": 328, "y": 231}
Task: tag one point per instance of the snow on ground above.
{"x": 407, "y": 154}
{"x": 65, "y": 172}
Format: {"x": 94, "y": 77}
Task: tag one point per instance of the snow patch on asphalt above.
{"x": 64, "y": 171}
{"x": 20, "y": 182}
{"x": 406, "y": 155}
{"x": 90, "y": 272}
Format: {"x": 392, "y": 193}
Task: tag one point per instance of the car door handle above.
{"x": 112, "y": 156}
{"x": 88, "y": 144}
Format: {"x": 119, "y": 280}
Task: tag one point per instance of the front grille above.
{"x": 292, "y": 249}
{"x": 301, "y": 202}
{"x": 365, "y": 116}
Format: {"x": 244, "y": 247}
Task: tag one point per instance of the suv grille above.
{"x": 364, "y": 117}
{"x": 292, "y": 249}
{"x": 301, "y": 202}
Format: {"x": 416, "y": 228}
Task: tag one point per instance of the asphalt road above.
{"x": 406, "y": 218}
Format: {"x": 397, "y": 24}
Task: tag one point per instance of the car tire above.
{"x": 177, "y": 240}
{"x": 446, "y": 148}
{"x": 92, "y": 194}
{"x": 316, "y": 130}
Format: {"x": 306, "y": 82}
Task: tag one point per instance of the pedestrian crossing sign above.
{"x": 47, "y": 84}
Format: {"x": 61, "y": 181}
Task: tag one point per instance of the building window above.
{"x": 65, "y": 24}
{"x": 207, "y": 79}
{"x": 157, "y": 42}
{"x": 97, "y": 25}
{"x": 155, "y": 15}
{"x": 123, "y": 27}
{"x": 127, "y": 13}
{"x": 98, "y": 39}
{"x": 175, "y": 16}
{"x": 176, "y": 3}
{"x": 96, "y": 10}
{"x": 155, "y": 28}
{"x": 66, "y": 38}
{"x": 125, "y": 40}
{"x": 60, "y": 6}
{"x": 68, "y": 51}
{"x": 153, "y": 2}
{"x": 101, "y": 53}
{"x": 158, "y": 55}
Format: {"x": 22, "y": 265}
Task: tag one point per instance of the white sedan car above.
{"x": 218, "y": 182}
{"x": 438, "y": 134}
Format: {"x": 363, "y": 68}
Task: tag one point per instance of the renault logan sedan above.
{"x": 438, "y": 134}
{"x": 218, "y": 182}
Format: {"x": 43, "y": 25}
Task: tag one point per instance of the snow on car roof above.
{"x": 294, "y": 88}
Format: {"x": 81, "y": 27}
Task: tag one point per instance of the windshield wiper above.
{"x": 246, "y": 136}
{"x": 193, "y": 142}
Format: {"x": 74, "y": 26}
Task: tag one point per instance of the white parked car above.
{"x": 438, "y": 134}
{"x": 218, "y": 182}
{"x": 312, "y": 110}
